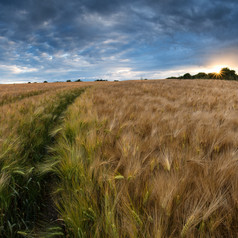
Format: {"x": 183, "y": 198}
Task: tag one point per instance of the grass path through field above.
{"x": 21, "y": 165}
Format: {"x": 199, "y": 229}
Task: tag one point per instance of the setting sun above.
{"x": 217, "y": 68}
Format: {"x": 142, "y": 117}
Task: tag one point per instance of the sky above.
{"x": 59, "y": 40}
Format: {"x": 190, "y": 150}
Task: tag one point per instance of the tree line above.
{"x": 225, "y": 73}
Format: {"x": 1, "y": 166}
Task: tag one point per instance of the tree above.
{"x": 200, "y": 75}
{"x": 228, "y": 74}
{"x": 212, "y": 76}
{"x": 225, "y": 73}
{"x": 100, "y": 80}
{"x": 187, "y": 76}
{"x": 172, "y": 77}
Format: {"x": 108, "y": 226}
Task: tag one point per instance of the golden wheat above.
{"x": 151, "y": 159}
{"x": 129, "y": 159}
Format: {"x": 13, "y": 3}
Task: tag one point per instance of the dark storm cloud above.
{"x": 91, "y": 37}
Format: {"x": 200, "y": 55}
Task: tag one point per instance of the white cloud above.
{"x": 14, "y": 69}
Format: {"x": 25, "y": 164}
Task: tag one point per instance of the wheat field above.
{"x": 154, "y": 158}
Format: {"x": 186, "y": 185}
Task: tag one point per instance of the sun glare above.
{"x": 217, "y": 69}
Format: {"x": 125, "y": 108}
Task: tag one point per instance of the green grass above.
{"x": 23, "y": 184}
{"x": 84, "y": 200}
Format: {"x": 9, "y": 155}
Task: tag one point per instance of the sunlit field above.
{"x": 121, "y": 159}
{"x": 13, "y": 92}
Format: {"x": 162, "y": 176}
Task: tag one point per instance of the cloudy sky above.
{"x": 58, "y": 40}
